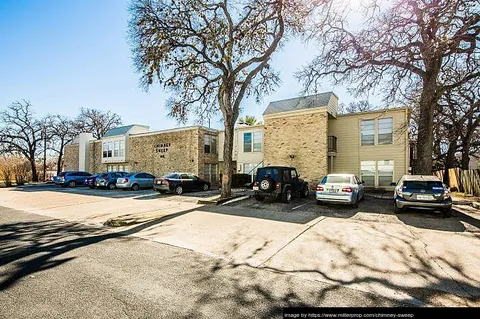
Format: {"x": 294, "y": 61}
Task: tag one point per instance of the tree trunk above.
{"x": 227, "y": 159}
{"x": 33, "y": 165}
{"x": 427, "y": 103}
{"x": 449, "y": 161}
{"x": 466, "y": 151}
{"x": 59, "y": 161}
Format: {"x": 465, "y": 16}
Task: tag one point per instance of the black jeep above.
{"x": 279, "y": 182}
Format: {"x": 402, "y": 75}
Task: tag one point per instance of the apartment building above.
{"x": 305, "y": 132}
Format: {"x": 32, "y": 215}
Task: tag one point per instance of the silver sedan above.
{"x": 341, "y": 189}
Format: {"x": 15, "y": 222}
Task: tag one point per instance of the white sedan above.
{"x": 340, "y": 188}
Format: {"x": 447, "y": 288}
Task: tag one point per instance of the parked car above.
{"x": 180, "y": 182}
{"x": 279, "y": 182}
{"x": 108, "y": 180}
{"x": 90, "y": 181}
{"x": 135, "y": 181}
{"x": 422, "y": 191}
{"x": 71, "y": 178}
{"x": 341, "y": 189}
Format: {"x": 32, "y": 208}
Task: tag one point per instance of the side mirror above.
{"x": 393, "y": 184}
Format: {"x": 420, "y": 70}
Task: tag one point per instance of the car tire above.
{"x": 71, "y": 184}
{"x": 179, "y": 190}
{"x": 447, "y": 213}
{"x": 319, "y": 202}
{"x": 287, "y": 195}
{"x": 206, "y": 187}
{"x": 259, "y": 198}
{"x": 396, "y": 209}
{"x": 266, "y": 184}
{"x": 304, "y": 192}
{"x": 135, "y": 187}
{"x": 111, "y": 186}
{"x": 355, "y": 205}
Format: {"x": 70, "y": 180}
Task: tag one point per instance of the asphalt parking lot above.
{"x": 417, "y": 256}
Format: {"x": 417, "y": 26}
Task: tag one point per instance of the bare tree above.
{"x": 210, "y": 55}
{"x": 356, "y": 106}
{"x": 22, "y": 133}
{"x": 408, "y": 44}
{"x": 62, "y": 130}
{"x": 96, "y": 122}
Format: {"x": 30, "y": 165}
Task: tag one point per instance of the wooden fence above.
{"x": 467, "y": 181}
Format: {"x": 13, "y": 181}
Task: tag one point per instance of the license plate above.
{"x": 425, "y": 197}
{"x": 255, "y": 188}
{"x": 333, "y": 190}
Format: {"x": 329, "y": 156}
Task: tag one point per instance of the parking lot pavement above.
{"x": 416, "y": 257}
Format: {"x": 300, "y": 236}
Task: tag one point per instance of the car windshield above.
{"x": 423, "y": 185}
{"x": 336, "y": 180}
{"x": 102, "y": 175}
{"x": 62, "y": 174}
{"x": 171, "y": 176}
{"x": 271, "y": 172}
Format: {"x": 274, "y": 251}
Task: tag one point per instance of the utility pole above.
{"x": 44, "y": 153}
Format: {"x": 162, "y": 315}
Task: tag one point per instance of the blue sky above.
{"x": 63, "y": 55}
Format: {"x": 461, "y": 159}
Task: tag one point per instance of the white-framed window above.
{"x": 247, "y": 168}
{"x": 252, "y": 142}
{"x": 115, "y": 148}
{"x": 121, "y": 148}
{"x": 210, "y": 146}
{"x": 210, "y": 172}
{"x": 385, "y": 131}
{"x": 367, "y": 130}
{"x": 377, "y": 173}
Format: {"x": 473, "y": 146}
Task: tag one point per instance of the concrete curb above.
{"x": 220, "y": 201}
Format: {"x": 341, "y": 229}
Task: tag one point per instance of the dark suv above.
{"x": 71, "y": 178}
{"x": 279, "y": 182}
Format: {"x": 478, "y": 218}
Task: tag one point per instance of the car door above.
{"x": 197, "y": 182}
{"x": 140, "y": 179}
{"x": 187, "y": 182}
{"x": 149, "y": 179}
{"x": 294, "y": 180}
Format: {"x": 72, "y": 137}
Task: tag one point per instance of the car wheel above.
{"x": 287, "y": 196}
{"x": 259, "y": 198}
{"x": 304, "y": 192}
{"x": 135, "y": 187}
{"x": 396, "y": 209}
{"x": 355, "y": 205}
{"x": 111, "y": 186}
{"x": 206, "y": 187}
{"x": 447, "y": 213}
{"x": 179, "y": 190}
{"x": 71, "y": 184}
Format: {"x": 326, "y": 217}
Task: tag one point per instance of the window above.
{"x": 105, "y": 149}
{"x": 115, "y": 148}
{"x": 247, "y": 168}
{"x": 267, "y": 171}
{"x": 210, "y": 144}
{"x": 210, "y": 172}
{"x": 252, "y": 142}
{"x": 385, "y": 172}
{"x": 367, "y": 132}
{"x": 257, "y": 141}
{"x": 377, "y": 173}
{"x": 368, "y": 172}
{"x": 247, "y": 142}
{"x": 385, "y": 131}
{"x": 294, "y": 173}
{"x": 121, "y": 148}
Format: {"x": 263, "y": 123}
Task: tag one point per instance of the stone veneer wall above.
{"x": 303, "y": 136}
{"x": 95, "y": 160}
{"x": 184, "y": 152}
{"x": 70, "y": 157}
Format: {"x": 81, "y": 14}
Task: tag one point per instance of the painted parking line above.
{"x": 299, "y": 206}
